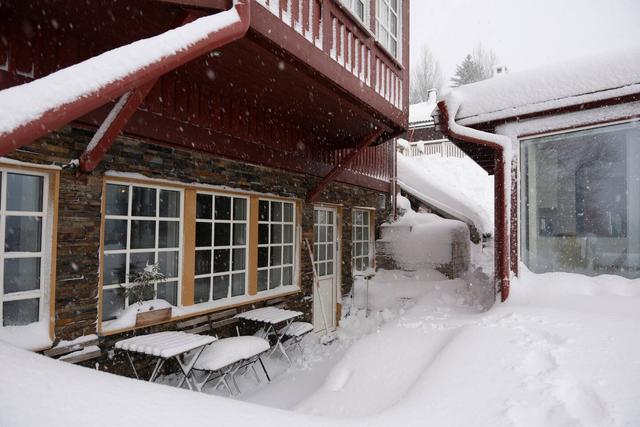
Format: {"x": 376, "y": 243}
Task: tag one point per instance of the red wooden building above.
{"x": 266, "y": 124}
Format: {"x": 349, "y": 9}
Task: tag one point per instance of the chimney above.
{"x": 432, "y": 94}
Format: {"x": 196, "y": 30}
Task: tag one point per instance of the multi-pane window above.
{"x": 276, "y": 220}
{"x": 388, "y": 24}
{"x": 361, "y": 240}
{"x": 23, "y": 213}
{"x": 142, "y": 227}
{"x": 324, "y": 227}
{"x": 221, "y": 247}
{"x": 358, "y": 8}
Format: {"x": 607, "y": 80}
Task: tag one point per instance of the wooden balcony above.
{"x": 300, "y": 90}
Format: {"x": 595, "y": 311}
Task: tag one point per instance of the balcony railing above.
{"x": 327, "y": 27}
{"x": 443, "y": 148}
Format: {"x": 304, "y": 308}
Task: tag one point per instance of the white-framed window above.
{"x": 25, "y": 232}
{"x": 324, "y": 241}
{"x": 276, "y": 244}
{"x": 388, "y": 25}
{"x": 361, "y": 235}
{"x": 142, "y": 227}
{"x": 221, "y": 246}
{"x": 360, "y": 8}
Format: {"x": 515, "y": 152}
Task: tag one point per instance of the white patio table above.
{"x": 164, "y": 346}
{"x": 270, "y": 317}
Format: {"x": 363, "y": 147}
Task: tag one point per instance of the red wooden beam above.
{"x": 63, "y": 114}
{"x": 315, "y": 193}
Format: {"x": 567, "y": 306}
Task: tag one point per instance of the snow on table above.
{"x": 228, "y": 351}
{"x": 165, "y": 344}
{"x": 270, "y": 315}
{"x": 297, "y": 329}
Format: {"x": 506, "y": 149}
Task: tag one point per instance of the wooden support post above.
{"x": 333, "y": 174}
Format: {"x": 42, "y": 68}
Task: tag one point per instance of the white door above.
{"x": 325, "y": 255}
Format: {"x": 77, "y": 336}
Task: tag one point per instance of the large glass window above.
{"x": 221, "y": 247}
{"x": 361, "y": 235}
{"x": 142, "y": 227}
{"x": 276, "y": 221}
{"x": 23, "y": 213}
{"x": 581, "y": 201}
{"x": 388, "y": 25}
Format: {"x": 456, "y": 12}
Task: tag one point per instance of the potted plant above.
{"x": 141, "y": 288}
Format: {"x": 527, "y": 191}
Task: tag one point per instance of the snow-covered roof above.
{"x": 560, "y": 85}
{"x": 421, "y": 112}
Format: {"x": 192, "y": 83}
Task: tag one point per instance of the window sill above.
{"x": 187, "y": 312}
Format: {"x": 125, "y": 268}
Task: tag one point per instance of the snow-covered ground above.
{"x": 455, "y": 185}
{"x": 562, "y": 351}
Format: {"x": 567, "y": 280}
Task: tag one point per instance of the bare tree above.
{"x": 476, "y": 66}
{"x": 425, "y": 75}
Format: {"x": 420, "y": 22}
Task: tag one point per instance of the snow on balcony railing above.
{"x": 374, "y": 162}
{"x": 442, "y": 148}
{"x": 330, "y": 29}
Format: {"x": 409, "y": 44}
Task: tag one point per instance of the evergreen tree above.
{"x": 468, "y": 71}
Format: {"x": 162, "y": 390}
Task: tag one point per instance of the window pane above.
{"x": 169, "y": 204}
{"x": 239, "y": 234}
{"x": 168, "y": 264}
{"x": 263, "y": 280}
{"x": 112, "y": 303}
{"x": 115, "y": 271}
{"x": 143, "y": 202}
{"x": 143, "y": 234}
{"x": 223, "y": 207}
{"x": 201, "y": 291}
{"x": 287, "y": 276}
{"x": 220, "y": 287}
{"x": 276, "y": 233}
{"x": 204, "y": 206}
{"x": 221, "y": 260}
{"x": 263, "y": 211}
{"x": 138, "y": 261}
{"x": 276, "y": 256}
{"x": 169, "y": 234}
{"x": 275, "y": 278}
{"x": 169, "y": 292}
{"x": 239, "y": 209}
{"x": 263, "y": 234}
{"x": 117, "y": 199}
{"x": 20, "y": 312}
{"x": 24, "y": 192}
{"x": 365, "y": 249}
{"x": 288, "y": 212}
{"x": 22, "y": 234}
{"x": 287, "y": 233}
{"x": 365, "y": 218}
{"x": 322, "y": 269}
{"x": 203, "y": 233}
{"x": 203, "y": 262}
{"x": 287, "y": 255}
{"x": 263, "y": 257}
{"x": 21, "y": 274}
{"x": 276, "y": 211}
{"x": 329, "y": 268}
{"x": 237, "y": 285}
{"x": 115, "y": 234}
{"x": 222, "y": 233}
{"x": 238, "y": 259}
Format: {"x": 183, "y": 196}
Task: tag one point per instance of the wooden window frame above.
{"x": 370, "y": 212}
{"x": 48, "y": 245}
{"x": 385, "y": 42}
{"x": 156, "y": 249}
{"x": 187, "y": 259}
{"x": 232, "y": 221}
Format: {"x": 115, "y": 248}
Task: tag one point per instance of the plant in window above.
{"x": 141, "y": 284}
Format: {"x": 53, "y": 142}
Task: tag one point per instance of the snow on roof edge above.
{"x": 565, "y": 84}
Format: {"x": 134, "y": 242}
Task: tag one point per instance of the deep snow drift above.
{"x": 563, "y": 351}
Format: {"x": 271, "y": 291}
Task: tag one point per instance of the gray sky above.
{"x": 523, "y": 33}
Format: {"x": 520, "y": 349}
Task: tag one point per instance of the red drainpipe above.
{"x": 61, "y": 115}
{"x": 502, "y": 190}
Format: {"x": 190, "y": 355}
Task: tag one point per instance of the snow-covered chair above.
{"x": 294, "y": 334}
{"x": 224, "y": 358}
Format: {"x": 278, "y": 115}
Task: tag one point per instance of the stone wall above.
{"x": 79, "y": 216}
